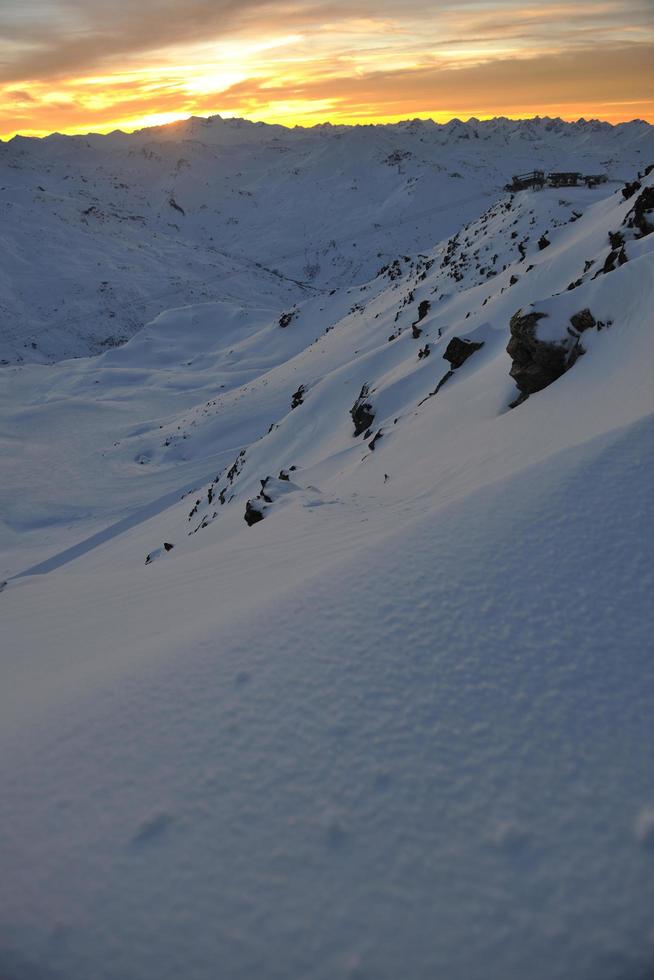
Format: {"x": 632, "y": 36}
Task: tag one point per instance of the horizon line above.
{"x": 129, "y": 131}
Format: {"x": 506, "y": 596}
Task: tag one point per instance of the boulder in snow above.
{"x": 536, "y": 363}
{"x": 459, "y": 350}
{"x": 362, "y": 412}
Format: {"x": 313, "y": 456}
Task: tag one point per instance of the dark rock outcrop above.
{"x": 252, "y": 514}
{"x": 643, "y": 207}
{"x": 446, "y": 377}
{"x": 630, "y": 189}
{"x": 584, "y": 320}
{"x": 459, "y": 350}
{"x": 378, "y": 435}
{"x": 362, "y": 412}
{"x": 272, "y": 490}
{"x": 287, "y": 318}
{"x": 423, "y": 309}
{"x": 536, "y": 363}
{"x": 298, "y": 397}
{"x": 616, "y": 256}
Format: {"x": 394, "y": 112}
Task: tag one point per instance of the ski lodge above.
{"x": 537, "y": 179}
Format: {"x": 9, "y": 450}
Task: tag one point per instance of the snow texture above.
{"x": 402, "y": 725}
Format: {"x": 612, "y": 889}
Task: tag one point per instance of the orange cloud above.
{"x": 296, "y": 61}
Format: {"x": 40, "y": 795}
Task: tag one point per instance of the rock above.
{"x": 583, "y": 320}
{"x": 536, "y": 363}
{"x": 630, "y": 189}
{"x": 362, "y": 412}
{"x": 423, "y": 309}
{"x": 158, "y": 552}
{"x": 614, "y": 256}
{"x": 252, "y": 514}
{"x": 638, "y": 218}
{"x": 446, "y": 377}
{"x": 378, "y": 435}
{"x": 298, "y": 397}
{"x": 459, "y": 350}
{"x": 287, "y": 318}
{"x": 543, "y": 242}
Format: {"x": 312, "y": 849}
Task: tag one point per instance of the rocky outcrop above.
{"x": 159, "y": 552}
{"x": 272, "y": 489}
{"x": 287, "y": 318}
{"x": 253, "y": 514}
{"x": 297, "y": 397}
{"x": 459, "y": 350}
{"x": 536, "y": 363}
{"x": 457, "y": 353}
{"x": 630, "y": 189}
{"x": 362, "y": 411}
{"x": 616, "y": 257}
{"x": 641, "y": 217}
{"x": 423, "y": 310}
{"x": 378, "y": 435}
{"x": 584, "y": 320}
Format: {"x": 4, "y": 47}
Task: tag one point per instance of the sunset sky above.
{"x": 82, "y": 65}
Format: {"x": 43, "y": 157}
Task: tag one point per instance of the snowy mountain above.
{"x": 327, "y": 624}
{"x": 122, "y": 226}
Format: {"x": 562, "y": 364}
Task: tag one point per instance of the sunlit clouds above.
{"x": 81, "y": 65}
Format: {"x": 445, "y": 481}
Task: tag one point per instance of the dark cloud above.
{"x": 16, "y": 95}
{"x": 49, "y": 38}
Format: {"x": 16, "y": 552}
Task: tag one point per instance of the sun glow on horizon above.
{"x": 301, "y": 65}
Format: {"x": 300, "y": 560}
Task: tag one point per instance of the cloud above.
{"x": 48, "y": 38}
{"x": 72, "y": 64}
{"x": 16, "y": 95}
{"x": 609, "y": 74}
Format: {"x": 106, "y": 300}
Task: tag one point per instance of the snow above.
{"x": 402, "y": 725}
{"x": 93, "y": 214}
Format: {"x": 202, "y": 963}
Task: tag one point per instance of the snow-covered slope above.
{"x": 398, "y": 721}
{"x": 100, "y": 233}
